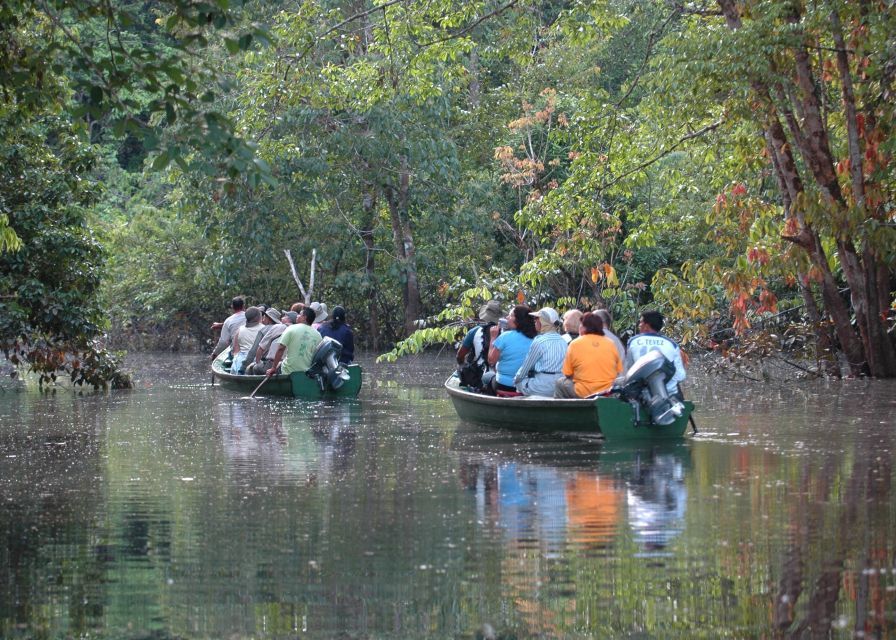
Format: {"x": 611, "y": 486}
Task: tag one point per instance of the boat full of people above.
{"x": 521, "y": 372}
{"x": 298, "y": 353}
{"x": 326, "y": 378}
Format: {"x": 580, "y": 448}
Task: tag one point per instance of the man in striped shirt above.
{"x": 544, "y": 363}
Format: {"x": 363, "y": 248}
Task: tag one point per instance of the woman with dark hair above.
{"x": 509, "y": 349}
{"x": 338, "y": 330}
{"x": 592, "y": 362}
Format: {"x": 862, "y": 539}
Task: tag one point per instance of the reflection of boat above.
{"x": 657, "y": 499}
{"x": 608, "y": 417}
{"x": 297, "y": 384}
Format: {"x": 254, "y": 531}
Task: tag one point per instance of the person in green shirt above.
{"x": 297, "y": 345}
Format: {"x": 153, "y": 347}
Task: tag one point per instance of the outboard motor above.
{"x": 645, "y": 385}
{"x": 325, "y": 364}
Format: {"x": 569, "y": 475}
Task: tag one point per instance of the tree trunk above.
{"x": 825, "y": 351}
{"x": 872, "y": 351}
{"x": 368, "y": 223}
{"x": 807, "y": 238}
{"x": 405, "y": 249}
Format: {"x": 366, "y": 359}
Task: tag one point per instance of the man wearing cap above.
{"x": 543, "y": 365}
{"x": 297, "y": 345}
{"x": 266, "y": 346}
{"x": 233, "y": 322}
{"x": 474, "y": 347}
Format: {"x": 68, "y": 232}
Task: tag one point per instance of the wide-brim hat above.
{"x": 273, "y": 314}
{"x": 491, "y": 311}
{"x": 320, "y": 311}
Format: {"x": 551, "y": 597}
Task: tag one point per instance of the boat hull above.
{"x": 610, "y": 418}
{"x": 293, "y": 385}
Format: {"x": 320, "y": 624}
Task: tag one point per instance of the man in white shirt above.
{"x": 649, "y": 339}
{"x": 233, "y": 322}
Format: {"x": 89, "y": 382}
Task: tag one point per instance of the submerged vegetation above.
{"x": 728, "y": 162}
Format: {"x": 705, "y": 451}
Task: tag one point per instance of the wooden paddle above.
{"x": 266, "y": 378}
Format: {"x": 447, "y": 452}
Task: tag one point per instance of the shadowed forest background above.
{"x": 729, "y": 163}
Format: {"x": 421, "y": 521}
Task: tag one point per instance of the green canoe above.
{"x": 296, "y": 384}
{"x": 610, "y": 417}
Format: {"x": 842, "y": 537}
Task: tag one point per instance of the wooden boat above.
{"x": 295, "y": 384}
{"x": 609, "y": 417}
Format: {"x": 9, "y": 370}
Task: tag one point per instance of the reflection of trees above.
{"x": 848, "y": 555}
{"x": 806, "y": 551}
{"x": 50, "y": 489}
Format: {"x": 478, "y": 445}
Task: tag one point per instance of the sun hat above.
{"x": 491, "y": 311}
{"x": 320, "y": 311}
{"x": 273, "y": 314}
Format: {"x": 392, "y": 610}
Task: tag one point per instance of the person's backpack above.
{"x": 471, "y": 371}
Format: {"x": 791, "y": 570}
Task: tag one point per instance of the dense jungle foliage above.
{"x": 727, "y": 162}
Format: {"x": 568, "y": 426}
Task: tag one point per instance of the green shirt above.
{"x": 300, "y": 341}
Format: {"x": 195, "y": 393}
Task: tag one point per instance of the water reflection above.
{"x": 182, "y": 510}
{"x": 576, "y": 501}
{"x": 656, "y": 495}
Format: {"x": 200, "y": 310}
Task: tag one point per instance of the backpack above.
{"x": 471, "y": 371}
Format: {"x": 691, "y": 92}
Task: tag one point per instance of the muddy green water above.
{"x": 183, "y": 510}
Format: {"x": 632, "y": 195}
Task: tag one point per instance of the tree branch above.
{"x": 651, "y": 41}
{"x": 472, "y": 26}
{"x": 694, "y": 134}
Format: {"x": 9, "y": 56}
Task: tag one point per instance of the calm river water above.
{"x": 183, "y": 510}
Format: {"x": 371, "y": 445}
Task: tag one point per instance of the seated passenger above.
{"x": 266, "y": 347}
{"x": 320, "y": 314}
{"x": 269, "y": 318}
{"x": 649, "y": 326}
{"x": 572, "y": 320}
{"x": 244, "y": 338}
{"x": 508, "y": 350}
{"x": 338, "y": 330}
{"x": 297, "y": 345}
{"x": 591, "y": 364}
{"x": 607, "y": 319}
{"x": 229, "y": 326}
{"x": 544, "y": 362}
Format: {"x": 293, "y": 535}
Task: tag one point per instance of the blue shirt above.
{"x": 513, "y": 346}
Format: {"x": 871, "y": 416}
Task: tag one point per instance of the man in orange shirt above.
{"x": 592, "y": 362}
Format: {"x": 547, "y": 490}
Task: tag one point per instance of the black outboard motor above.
{"x": 645, "y": 385}
{"x": 325, "y": 365}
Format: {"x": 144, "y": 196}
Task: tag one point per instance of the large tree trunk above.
{"x": 406, "y": 251}
{"x": 807, "y": 238}
{"x": 872, "y": 351}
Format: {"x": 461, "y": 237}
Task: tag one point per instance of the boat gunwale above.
{"x": 284, "y": 384}
{"x": 218, "y": 371}
{"x": 542, "y": 402}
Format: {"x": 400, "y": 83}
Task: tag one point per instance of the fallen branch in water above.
{"x": 798, "y": 366}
